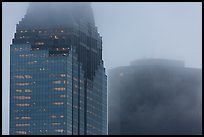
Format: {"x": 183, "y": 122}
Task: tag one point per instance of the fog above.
{"x": 129, "y": 30}
{"x": 151, "y": 97}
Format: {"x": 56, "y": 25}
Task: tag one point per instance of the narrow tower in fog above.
{"x": 58, "y": 83}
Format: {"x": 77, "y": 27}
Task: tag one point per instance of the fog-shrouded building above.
{"x": 155, "y": 97}
{"x": 58, "y": 84}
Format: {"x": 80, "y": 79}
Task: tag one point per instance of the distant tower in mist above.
{"x": 58, "y": 84}
{"x": 154, "y": 97}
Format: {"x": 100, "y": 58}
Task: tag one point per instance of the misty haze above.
{"x": 152, "y": 55}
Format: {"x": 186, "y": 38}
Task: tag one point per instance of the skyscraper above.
{"x": 155, "y": 97}
{"x": 58, "y": 83}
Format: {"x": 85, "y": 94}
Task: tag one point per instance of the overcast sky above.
{"x": 130, "y": 31}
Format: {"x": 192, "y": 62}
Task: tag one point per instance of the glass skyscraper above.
{"x": 58, "y": 84}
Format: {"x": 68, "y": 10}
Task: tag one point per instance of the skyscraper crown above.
{"x": 57, "y": 14}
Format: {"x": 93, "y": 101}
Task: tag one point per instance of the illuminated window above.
{"x": 56, "y": 37}
{"x": 56, "y": 82}
{"x": 59, "y": 82}
{"x": 22, "y": 77}
{"x": 61, "y": 116}
{"x": 39, "y": 43}
{"x": 59, "y": 89}
{"x": 19, "y": 90}
{"x": 42, "y": 68}
{"x": 55, "y": 124}
{"x": 22, "y": 125}
{"x": 23, "y": 55}
{"x": 22, "y": 84}
{"x": 53, "y": 116}
{"x": 25, "y": 118}
{"x": 76, "y": 86}
{"x": 22, "y": 97}
{"x": 17, "y": 118}
{"x": 19, "y": 76}
{"x": 58, "y": 103}
{"x": 75, "y": 79}
{"x": 62, "y": 30}
{"x": 62, "y": 75}
{"x": 23, "y": 105}
{"x": 18, "y": 49}
{"x": 62, "y": 96}
{"x": 28, "y": 90}
{"x": 59, "y": 130}
{"x": 28, "y": 76}
{"x": 33, "y": 62}
{"x": 21, "y": 132}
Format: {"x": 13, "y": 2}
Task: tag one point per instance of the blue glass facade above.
{"x": 58, "y": 83}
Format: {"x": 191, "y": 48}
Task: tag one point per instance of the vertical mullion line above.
{"x": 78, "y": 83}
{"x": 78, "y": 98}
{"x": 72, "y": 90}
{"x": 67, "y": 92}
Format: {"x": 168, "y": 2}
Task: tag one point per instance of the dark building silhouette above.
{"x": 154, "y": 97}
{"x": 58, "y": 83}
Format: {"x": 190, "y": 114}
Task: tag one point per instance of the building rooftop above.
{"x": 157, "y": 62}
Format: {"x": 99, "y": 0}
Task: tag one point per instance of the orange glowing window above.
{"x": 19, "y": 90}
{"x": 56, "y": 82}
{"x": 28, "y": 90}
{"x": 17, "y": 118}
{"x": 59, "y": 130}
{"x": 23, "y": 105}
{"x": 22, "y": 125}
{"x": 22, "y": 97}
{"x": 59, "y": 89}
{"x": 22, "y": 84}
{"x": 25, "y": 118}
{"x": 19, "y": 76}
{"x": 21, "y": 132}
